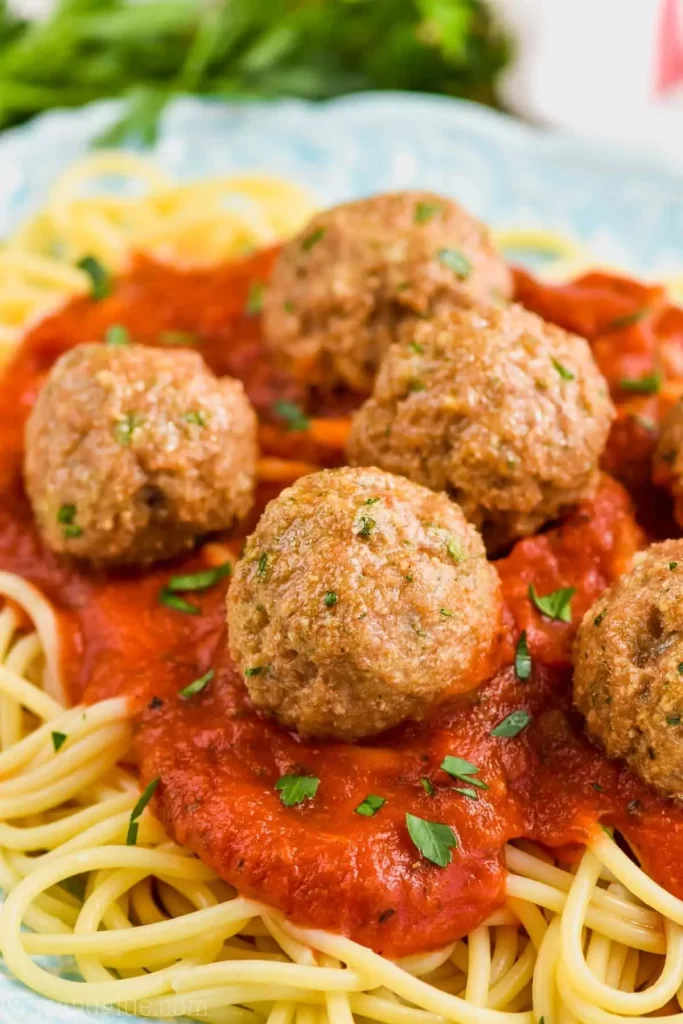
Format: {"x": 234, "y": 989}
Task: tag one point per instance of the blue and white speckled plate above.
{"x": 628, "y": 210}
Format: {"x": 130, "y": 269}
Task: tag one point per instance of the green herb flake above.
{"x": 125, "y": 429}
{"x": 417, "y": 348}
{"x": 254, "y": 303}
{"x": 132, "y": 837}
{"x": 197, "y": 417}
{"x": 454, "y": 549}
{"x": 101, "y": 281}
{"x": 365, "y": 526}
{"x": 370, "y": 806}
{"x": 462, "y": 770}
{"x": 672, "y": 565}
{"x": 650, "y": 384}
{"x": 446, "y": 612}
{"x": 597, "y": 787}
{"x": 288, "y": 306}
{"x": 330, "y": 599}
{"x": 556, "y": 605}
{"x": 255, "y": 670}
{"x": 72, "y": 531}
{"x": 66, "y": 515}
{"x": 58, "y": 740}
{"x": 428, "y": 786}
{"x": 522, "y": 659}
{"x": 197, "y": 686}
{"x": 409, "y": 577}
{"x": 598, "y": 620}
{"x": 434, "y": 840}
{"x": 262, "y": 567}
{"x": 512, "y": 725}
{"x": 183, "y": 339}
{"x": 312, "y": 240}
{"x": 178, "y": 604}
{"x": 293, "y": 416}
{"x": 680, "y": 668}
{"x": 371, "y": 501}
{"x": 116, "y": 336}
{"x": 564, "y": 373}
{"x": 417, "y": 385}
{"x": 673, "y": 719}
{"x": 199, "y": 580}
{"x": 456, "y": 261}
{"x": 294, "y": 789}
{"x": 424, "y": 212}
{"x": 628, "y": 320}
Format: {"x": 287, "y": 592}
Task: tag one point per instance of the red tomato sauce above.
{"x": 218, "y": 760}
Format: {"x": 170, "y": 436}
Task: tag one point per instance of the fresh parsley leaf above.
{"x": 464, "y": 771}
{"x": 512, "y": 725}
{"x": 262, "y": 567}
{"x": 370, "y": 806}
{"x": 673, "y": 719}
{"x": 424, "y": 212}
{"x": 556, "y": 605}
{"x": 100, "y": 279}
{"x": 650, "y": 384}
{"x": 446, "y": 612}
{"x": 433, "y": 839}
{"x": 294, "y": 789}
{"x": 148, "y": 793}
{"x": 312, "y": 240}
{"x": 292, "y": 415}
{"x": 330, "y": 599}
{"x": 58, "y": 740}
{"x": 254, "y": 303}
{"x": 116, "y": 336}
{"x": 199, "y": 580}
{"x": 66, "y": 515}
{"x": 522, "y": 659}
{"x": 456, "y": 261}
{"x": 564, "y": 373}
{"x": 364, "y": 526}
{"x": 454, "y": 549}
{"x": 254, "y": 670}
{"x": 197, "y": 686}
{"x": 126, "y": 427}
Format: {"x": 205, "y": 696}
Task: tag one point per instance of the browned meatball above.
{"x": 668, "y": 457}
{"x": 341, "y": 287}
{"x": 628, "y": 675}
{"x": 133, "y": 452}
{"x": 504, "y": 412}
{"x": 361, "y": 600}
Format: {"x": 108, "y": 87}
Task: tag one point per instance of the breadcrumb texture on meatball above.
{"x": 341, "y": 287}
{"x": 133, "y": 452}
{"x": 668, "y": 457}
{"x": 628, "y": 668}
{"x": 505, "y": 412}
{"x": 361, "y": 600}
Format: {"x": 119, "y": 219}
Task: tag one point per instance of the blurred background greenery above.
{"x": 149, "y": 50}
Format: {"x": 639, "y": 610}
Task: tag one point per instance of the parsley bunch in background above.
{"x": 149, "y": 50}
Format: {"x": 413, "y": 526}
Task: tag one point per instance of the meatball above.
{"x": 361, "y": 600}
{"x": 340, "y": 289}
{"x": 668, "y": 457}
{"x": 506, "y": 413}
{"x": 134, "y": 452}
{"x": 628, "y": 675}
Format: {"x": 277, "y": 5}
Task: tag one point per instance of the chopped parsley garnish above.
{"x": 330, "y": 599}
{"x": 116, "y": 336}
{"x": 628, "y": 319}
{"x": 556, "y": 605}
{"x": 672, "y": 565}
{"x": 66, "y": 515}
{"x": 456, "y": 261}
{"x": 650, "y": 384}
{"x": 100, "y": 278}
{"x": 433, "y": 839}
{"x": 365, "y": 526}
{"x": 512, "y": 725}
{"x": 197, "y": 417}
{"x": 197, "y": 686}
{"x": 255, "y": 298}
{"x": 58, "y": 740}
{"x": 564, "y": 373}
{"x": 294, "y": 789}
{"x": 292, "y": 415}
{"x": 446, "y": 612}
{"x": 454, "y": 549}
{"x": 183, "y": 339}
{"x": 371, "y": 501}
{"x": 462, "y": 770}
{"x": 680, "y": 668}
{"x": 199, "y": 580}
{"x": 255, "y": 670}
{"x": 126, "y": 427}
{"x": 177, "y": 603}
{"x": 409, "y": 577}
{"x": 417, "y": 348}
{"x": 417, "y": 385}
{"x": 132, "y": 837}
{"x": 425, "y": 211}
{"x": 597, "y": 621}
{"x": 313, "y": 239}
{"x": 522, "y": 659}
{"x": 428, "y": 786}
{"x": 673, "y": 719}
{"x": 370, "y": 806}
{"x": 262, "y": 567}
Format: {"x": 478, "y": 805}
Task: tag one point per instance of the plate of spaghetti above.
{"x": 341, "y": 571}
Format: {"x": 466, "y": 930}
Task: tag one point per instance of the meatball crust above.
{"x": 361, "y": 600}
{"x": 628, "y": 668}
{"x": 134, "y": 452}
{"x": 340, "y": 289}
{"x": 506, "y": 413}
{"x": 668, "y": 457}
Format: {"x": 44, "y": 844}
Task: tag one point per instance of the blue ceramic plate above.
{"x": 630, "y": 211}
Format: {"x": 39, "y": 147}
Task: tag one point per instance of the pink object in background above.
{"x": 607, "y": 68}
